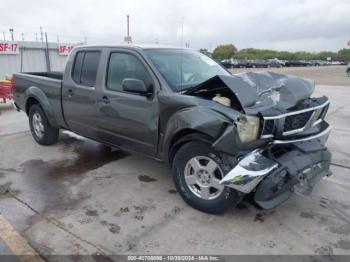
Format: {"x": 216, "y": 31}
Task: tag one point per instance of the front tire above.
{"x": 197, "y": 169}
{"x": 42, "y": 132}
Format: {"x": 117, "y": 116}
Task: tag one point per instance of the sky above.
{"x": 293, "y": 25}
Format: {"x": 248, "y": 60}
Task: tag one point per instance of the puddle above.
{"x": 146, "y": 179}
{"x": 46, "y": 184}
{"x": 90, "y": 155}
{"x": 91, "y": 213}
{"x": 343, "y": 244}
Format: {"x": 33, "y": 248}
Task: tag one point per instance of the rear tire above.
{"x": 190, "y": 181}
{"x": 42, "y": 132}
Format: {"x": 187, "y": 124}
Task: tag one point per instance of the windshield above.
{"x": 183, "y": 69}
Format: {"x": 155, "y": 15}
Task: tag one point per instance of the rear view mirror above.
{"x": 135, "y": 86}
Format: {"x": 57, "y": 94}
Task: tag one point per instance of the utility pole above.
{"x": 182, "y": 31}
{"x": 3, "y": 33}
{"x": 47, "y": 54}
{"x": 22, "y": 34}
{"x": 11, "y": 32}
{"x": 128, "y": 38}
{"x": 41, "y": 34}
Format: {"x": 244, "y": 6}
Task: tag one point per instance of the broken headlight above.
{"x": 248, "y": 128}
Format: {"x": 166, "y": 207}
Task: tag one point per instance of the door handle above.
{"x": 105, "y": 100}
{"x": 70, "y": 93}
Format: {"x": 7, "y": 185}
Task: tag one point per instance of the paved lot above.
{"x": 324, "y": 75}
{"x": 79, "y": 197}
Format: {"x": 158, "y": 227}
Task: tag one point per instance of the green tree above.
{"x": 224, "y": 51}
{"x": 344, "y": 54}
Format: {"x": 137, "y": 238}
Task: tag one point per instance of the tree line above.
{"x": 228, "y": 51}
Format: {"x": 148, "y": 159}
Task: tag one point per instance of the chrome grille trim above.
{"x": 279, "y": 120}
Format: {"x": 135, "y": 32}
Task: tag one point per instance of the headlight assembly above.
{"x": 248, "y": 128}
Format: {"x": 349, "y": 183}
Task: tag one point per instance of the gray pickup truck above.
{"x": 224, "y": 136}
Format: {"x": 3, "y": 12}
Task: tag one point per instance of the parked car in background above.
{"x": 224, "y": 136}
{"x": 241, "y": 63}
{"x": 235, "y": 63}
{"x": 348, "y": 70}
{"x": 296, "y": 63}
{"x": 276, "y": 63}
{"x": 227, "y": 63}
{"x": 259, "y": 63}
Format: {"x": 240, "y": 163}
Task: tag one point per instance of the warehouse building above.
{"x": 32, "y": 57}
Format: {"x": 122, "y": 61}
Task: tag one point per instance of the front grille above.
{"x": 293, "y": 122}
{"x": 269, "y": 126}
{"x": 297, "y": 121}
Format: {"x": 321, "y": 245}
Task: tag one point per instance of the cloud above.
{"x": 311, "y": 25}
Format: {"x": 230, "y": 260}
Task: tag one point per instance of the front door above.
{"x": 127, "y": 119}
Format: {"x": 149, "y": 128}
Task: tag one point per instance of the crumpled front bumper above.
{"x": 275, "y": 176}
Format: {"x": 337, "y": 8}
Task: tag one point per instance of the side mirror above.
{"x": 135, "y": 86}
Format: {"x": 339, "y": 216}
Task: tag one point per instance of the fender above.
{"x": 192, "y": 119}
{"x": 39, "y": 95}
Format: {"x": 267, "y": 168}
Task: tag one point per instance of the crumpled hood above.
{"x": 261, "y": 90}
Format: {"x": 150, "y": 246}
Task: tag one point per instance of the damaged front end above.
{"x": 274, "y": 172}
{"x": 283, "y": 152}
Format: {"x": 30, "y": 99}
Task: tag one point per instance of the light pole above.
{"x": 128, "y": 38}
{"x": 41, "y": 34}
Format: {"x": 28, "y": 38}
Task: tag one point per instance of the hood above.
{"x": 259, "y": 91}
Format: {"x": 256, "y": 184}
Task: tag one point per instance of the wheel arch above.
{"x": 35, "y": 95}
{"x": 184, "y": 136}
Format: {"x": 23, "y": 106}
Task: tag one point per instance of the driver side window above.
{"x": 122, "y": 66}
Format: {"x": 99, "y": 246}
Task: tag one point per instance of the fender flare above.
{"x": 39, "y": 95}
{"x": 201, "y": 120}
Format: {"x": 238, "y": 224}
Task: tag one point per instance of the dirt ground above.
{"x": 79, "y": 197}
{"x": 323, "y": 75}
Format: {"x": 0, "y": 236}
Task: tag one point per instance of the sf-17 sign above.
{"x": 9, "y": 48}
{"x": 64, "y": 49}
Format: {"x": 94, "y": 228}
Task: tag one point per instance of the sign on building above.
{"x": 64, "y": 49}
{"x": 9, "y": 48}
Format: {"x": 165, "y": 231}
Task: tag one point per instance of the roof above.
{"x": 133, "y": 46}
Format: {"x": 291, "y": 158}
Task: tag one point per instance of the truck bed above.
{"x": 45, "y": 87}
{"x": 55, "y": 75}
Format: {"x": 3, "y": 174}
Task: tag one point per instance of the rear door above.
{"x": 79, "y": 99}
{"x": 127, "y": 119}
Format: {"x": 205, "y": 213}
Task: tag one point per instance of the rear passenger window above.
{"x": 77, "y": 66}
{"x": 85, "y": 68}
